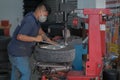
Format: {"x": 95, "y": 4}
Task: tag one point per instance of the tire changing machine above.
{"x": 96, "y": 47}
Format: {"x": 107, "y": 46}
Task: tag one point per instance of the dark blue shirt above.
{"x": 30, "y": 27}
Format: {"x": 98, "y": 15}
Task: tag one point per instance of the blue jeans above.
{"x": 21, "y": 64}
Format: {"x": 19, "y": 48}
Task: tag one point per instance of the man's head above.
{"x": 41, "y": 12}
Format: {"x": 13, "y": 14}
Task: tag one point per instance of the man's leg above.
{"x": 23, "y": 65}
{"x": 14, "y": 71}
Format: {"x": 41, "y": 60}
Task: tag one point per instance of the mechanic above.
{"x": 24, "y": 39}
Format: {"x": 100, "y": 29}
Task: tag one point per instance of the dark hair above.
{"x": 40, "y": 5}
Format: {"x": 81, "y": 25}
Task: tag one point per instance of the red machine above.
{"x": 96, "y": 46}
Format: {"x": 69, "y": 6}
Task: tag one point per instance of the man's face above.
{"x": 43, "y": 13}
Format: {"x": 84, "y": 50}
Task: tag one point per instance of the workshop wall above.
{"x": 90, "y": 4}
{"x": 11, "y": 10}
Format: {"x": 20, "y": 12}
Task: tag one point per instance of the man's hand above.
{"x": 44, "y": 37}
{"x": 53, "y": 43}
{"x": 38, "y": 38}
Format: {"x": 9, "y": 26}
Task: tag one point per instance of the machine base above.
{"x": 79, "y": 75}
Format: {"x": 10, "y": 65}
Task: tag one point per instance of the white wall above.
{"x": 11, "y": 10}
{"x": 86, "y": 4}
{"x": 100, "y": 3}
{"x": 90, "y": 4}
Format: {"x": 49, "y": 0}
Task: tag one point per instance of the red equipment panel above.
{"x": 94, "y": 64}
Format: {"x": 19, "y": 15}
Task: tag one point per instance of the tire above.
{"x": 66, "y": 54}
{"x": 4, "y": 56}
{"x": 5, "y": 66}
{"x": 118, "y": 76}
{"x": 4, "y": 75}
{"x": 74, "y": 42}
{"x": 110, "y": 74}
{"x": 4, "y": 43}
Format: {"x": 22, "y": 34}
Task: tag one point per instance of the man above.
{"x": 24, "y": 39}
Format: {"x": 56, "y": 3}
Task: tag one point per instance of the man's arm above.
{"x": 44, "y": 36}
{"x": 29, "y": 38}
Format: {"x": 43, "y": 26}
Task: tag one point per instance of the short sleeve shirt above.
{"x": 29, "y": 26}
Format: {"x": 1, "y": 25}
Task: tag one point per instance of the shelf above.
{"x": 6, "y": 27}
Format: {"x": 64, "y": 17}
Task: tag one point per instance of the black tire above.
{"x": 4, "y": 56}
{"x": 4, "y": 75}
{"x": 110, "y": 74}
{"x": 118, "y": 76}
{"x": 5, "y": 66}
{"x": 4, "y": 43}
{"x": 66, "y": 54}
